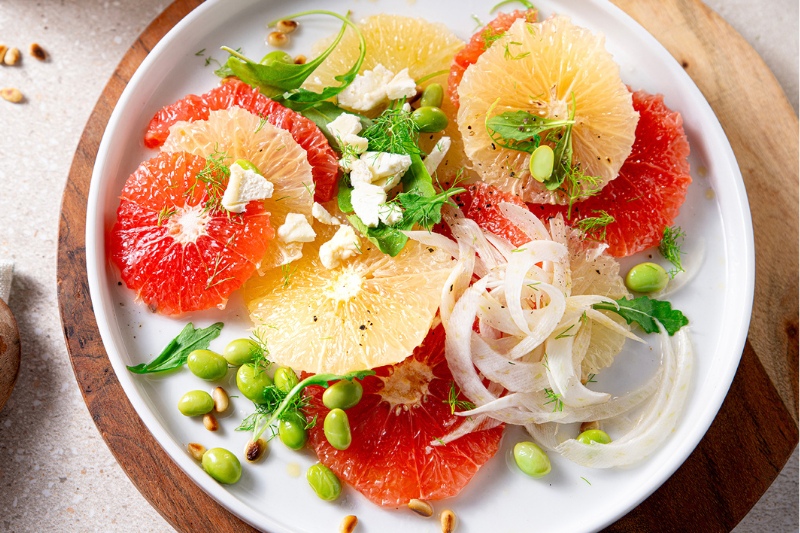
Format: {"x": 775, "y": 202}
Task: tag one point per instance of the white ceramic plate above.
{"x": 271, "y": 495}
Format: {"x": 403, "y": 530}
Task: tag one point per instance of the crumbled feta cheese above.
{"x": 368, "y": 90}
{"x": 359, "y": 144}
{"x": 345, "y": 124}
{"x": 346, "y": 163}
{"x": 436, "y": 156}
{"x": 342, "y": 246}
{"x": 387, "y": 169}
{"x": 360, "y": 173}
{"x": 390, "y": 214}
{"x": 366, "y": 199}
{"x": 321, "y": 214}
{"x": 244, "y": 186}
{"x": 401, "y": 86}
{"x": 296, "y": 229}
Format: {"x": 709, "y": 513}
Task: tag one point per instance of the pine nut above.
{"x": 348, "y": 525}
{"x": 420, "y": 507}
{"x": 3, "y": 50}
{"x": 286, "y": 26}
{"x": 12, "y": 95}
{"x": 254, "y": 450}
{"x": 448, "y": 521}
{"x": 37, "y": 52}
{"x": 277, "y": 38}
{"x": 221, "y": 401}
{"x": 586, "y": 426}
{"x": 300, "y": 60}
{"x": 12, "y": 56}
{"x": 197, "y": 450}
{"x": 210, "y": 422}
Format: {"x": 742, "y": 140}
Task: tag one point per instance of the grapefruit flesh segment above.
{"x": 481, "y": 203}
{"x": 652, "y": 184}
{"x": 477, "y": 45}
{"x": 403, "y": 410}
{"x": 178, "y": 256}
{"x": 321, "y": 156}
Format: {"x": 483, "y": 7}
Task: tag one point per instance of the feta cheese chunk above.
{"x": 390, "y": 214}
{"x": 360, "y": 173}
{"x": 359, "y": 144}
{"x": 368, "y": 90}
{"x": 244, "y": 186}
{"x": 296, "y": 229}
{"x": 366, "y": 200}
{"x": 321, "y": 214}
{"x": 401, "y": 86}
{"x": 342, "y": 246}
{"x": 436, "y": 156}
{"x": 387, "y": 169}
{"x": 345, "y": 124}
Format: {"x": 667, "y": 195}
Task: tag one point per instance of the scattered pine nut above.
{"x": 3, "y": 49}
{"x": 286, "y": 26}
{"x": 12, "y": 95}
{"x": 300, "y": 60}
{"x": 197, "y": 450}
{"x": 348, "y": 525}
{"x": 210, "y": 422}
{"x": 221, "y": 401}
{"x": 421, "y": 507}
{"x": 37, "y": 52}
{"x": 254, "y": 450}
{"x": 12, "y": 56}
{"x": 448, "y": 521}
{"x": 586, "y": 426}
{"x": 277, "y": 38}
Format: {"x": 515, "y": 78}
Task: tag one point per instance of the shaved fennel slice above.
{"x": 434, "y": 239}
{"x": 545, "y": 435}
{"x": 657, "y": 423}
{"x": 471, "y": 425}
{"x": 564, "y": 377}
{"x": 514, "y": 376}
{"x": 562, "y": 277}
{"x": 526, "y": 221}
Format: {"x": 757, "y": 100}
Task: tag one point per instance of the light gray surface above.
{"x": 56, "y": 474}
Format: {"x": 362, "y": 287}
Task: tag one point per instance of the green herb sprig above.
{"x": 453, "y": 401}
{"x": 670, "y": 248}
{"x": 595, "y": 227}
{"x": 647, "y": 312}
{"x": 177, "y": 351}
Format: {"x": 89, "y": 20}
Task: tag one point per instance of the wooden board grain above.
{"x": 754, "y": 433}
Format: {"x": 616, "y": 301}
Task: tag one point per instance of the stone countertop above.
{"x": 56, "y": 474}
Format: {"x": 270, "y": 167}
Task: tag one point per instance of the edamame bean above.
{"x": 196, "y": 403}
{"x": 222, "y": 465}
{"x": 343, "y": 394}
{"x": 240, "y": 351}
{"x": 594, "y": 435}
{"x": 429, "y": 119}
{"x": 277, "y": 56}
{"x": 286, "y": 379}
{"x": 647, "y": 277}
{"x": 337, "y": 429}
{"x": 292, "y": 431}
{"x": 531, "y": 459}
{"x": 324, "y": 482}
{"x": 541, "y": 165}
{"x": 247, "y": 165}
{"x": 252, "y": 382}
{"x": 432, "y": 96}
{"x": 207, "y": 365}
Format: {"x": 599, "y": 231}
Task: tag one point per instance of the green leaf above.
{"x": 417, "y": 180}
{"x": 178, "y": 350}
{"x": 388, "y": 239}
{"x": 345, "y": 194}
{"x": 323, "y": 113}
{"x": 520, "y": 130}
{"x": 645, "y": 312}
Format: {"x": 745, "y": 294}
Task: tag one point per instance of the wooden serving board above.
{"x": 754, "y": 433}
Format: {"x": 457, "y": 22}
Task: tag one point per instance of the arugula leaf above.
{"x": 345, "y": 194}
{"x": 645, "y": 312}
{"x": 323, "y": 113}
{"x": 417, "y": 180}
{"x": 520, "y": 130}
{"x": 178, "y": 350}
{"x": 290, "y": 400}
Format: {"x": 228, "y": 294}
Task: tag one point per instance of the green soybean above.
{"x": 292, "y": 431}
{"x": 286, "y": 379}
{"x": 222, "y": 465}
{"x": 247, "y": 165}
{"x": 277, "y": 56}
{"x": 432, "y": 96}
{"x": 594, "y": 435}
{"x": 531, "y": 459}
{"x": 541, "y": 164}
{"x": 324, "y": 482}
{"x": 252, "y": 382}
{"x": 196, "y": 403}
{"x": 207, "y": 365}
{"x": 343, "y": 394}
{"x": 647, "y": 277}
{"x": 240, "y": 351}
{"x": 429, "y": 119}
{"x": 337, "y": 429}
